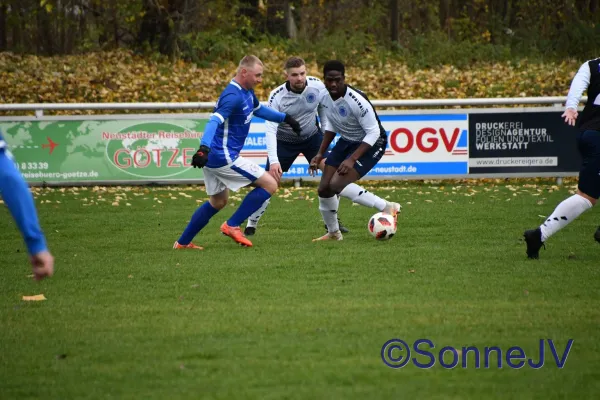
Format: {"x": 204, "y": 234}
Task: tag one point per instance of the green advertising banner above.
{"x": 105, "y": 150}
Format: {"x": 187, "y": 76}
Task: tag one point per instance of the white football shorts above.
{"x": 234, "y": 176}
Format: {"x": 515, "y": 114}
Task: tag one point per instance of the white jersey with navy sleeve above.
{"x": 234, "y": 109}
{"x": 353, "y": 117}
{"x": 302, "y": 106}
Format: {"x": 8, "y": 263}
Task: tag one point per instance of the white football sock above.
{"x": 329, "y": 207}
{"x": 253, "y": 219}
{"x": 563, "y": 214}
{"x": 360, "y": 195}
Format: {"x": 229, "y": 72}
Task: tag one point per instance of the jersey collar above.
{"x": 289, "y": 87}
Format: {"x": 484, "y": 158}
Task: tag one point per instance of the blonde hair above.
{"x": 249, "y": 61}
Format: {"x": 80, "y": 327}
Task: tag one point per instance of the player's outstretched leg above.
{"x": 362, "y": 196}
{"x": 198, "y": 221}
{"x": 564, "y": 213}
{"x": 359, "y": 195}
{"x": 266, "y": 186}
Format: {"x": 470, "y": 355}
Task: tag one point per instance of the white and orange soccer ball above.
{"x": 382, "y": 226}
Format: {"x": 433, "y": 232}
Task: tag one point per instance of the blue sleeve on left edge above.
{"x": 269, "y": 114}
{"x": 209, "y": 131}
{"x": 19, "y": 201}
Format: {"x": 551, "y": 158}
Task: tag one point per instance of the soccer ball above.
{"x": 382, "y": 226}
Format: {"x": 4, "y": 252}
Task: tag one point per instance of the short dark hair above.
{"x": 294, "y": 62}
{"x": 334, "y": 65}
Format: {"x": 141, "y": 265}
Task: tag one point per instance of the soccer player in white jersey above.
{"x": 300, "y": 96}
{"x": 362, "y": 144}
{"x": 219, "y": 155}
{"x": 588, "y": 141}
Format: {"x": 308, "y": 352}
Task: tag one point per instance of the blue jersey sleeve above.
{"x": 223, "y": 110}
{"x": 265, "y": 112}
{"x": 19, "y": 201}
{"x": 269, "y": 114}
{"x": 209, "y": 131}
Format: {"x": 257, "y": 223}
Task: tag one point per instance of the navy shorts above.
{"x": 589, "y": 174}
{"x": 344, "y": 149}
{"x": 288, "y": 152}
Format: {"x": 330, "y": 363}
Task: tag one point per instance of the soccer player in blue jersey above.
{"x": 16, "y": 195}
{"x": 224, "y": 169}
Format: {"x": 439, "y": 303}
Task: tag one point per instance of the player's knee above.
{"x": 268, "y": 183}
{"x": 337, "y": 186}
{"x": 325, "y": 190}
{"x": 218, "y": 203}
{"x": 587, "y": 196}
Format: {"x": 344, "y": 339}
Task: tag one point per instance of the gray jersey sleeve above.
{"x": 271, "y": 128}
{"x": 325, "y": 106}
{"x": 321, "y": 108}
{"x": 366, "y": 119}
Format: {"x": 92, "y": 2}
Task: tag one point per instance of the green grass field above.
{"x": 128, "y": 317}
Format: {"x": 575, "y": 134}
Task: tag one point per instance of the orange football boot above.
{"x": 178, "y": 246}
{"x": 236, "y": 234}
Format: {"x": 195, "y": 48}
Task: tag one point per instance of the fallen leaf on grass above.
{"x": 37, "y": 297}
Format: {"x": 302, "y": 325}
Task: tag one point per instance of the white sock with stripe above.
{"x": 360, "y": 195}
{"x": 329, "y": 207}
{"x": 563, "y": 214}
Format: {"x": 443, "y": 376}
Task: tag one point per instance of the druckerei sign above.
{"x": 105, "y": 150}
